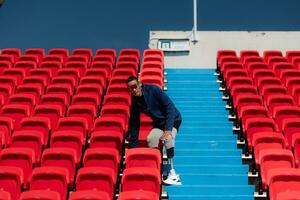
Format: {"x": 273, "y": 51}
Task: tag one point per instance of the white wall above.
{"x": 203, "y": 53}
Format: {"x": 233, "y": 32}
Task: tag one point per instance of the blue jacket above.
{"x": 158, "y": 106}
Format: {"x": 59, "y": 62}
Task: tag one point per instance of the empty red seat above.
{"x": 23, "y": 158}
{"x": 59, "y": 51}
{"x": 89, "y": 195}
{"x": 281, "y": 180}
{"x": 103, "y": 157}
{"x": 40, "y": 52}
{"x": 62, "y": 81}
{"x": 86, "y": 111}
{"x": 290, "y": 82}
{"x": 226, "y": 59}
{"x": 68, "y": 139}
{"x": 249, "y": 111}
{"x": 242, "y": 90}
{"x": 270, "y": 159}
{"x": 6, "y": 129}
{"x": 4, "y": 65}
{"x": 270, "y": 53}
{"x": 52, "y": 112}
{"x": 280, "y": 113}
{"x": 78, "y": 124}
{"x": 238, "y": 81}
{"x": 54, "y": 66}
{"x": 138, "y": 194}
{"x": 28, "y": 139}
{"x": 104, "y": 58}
{"x": 40, "y": 124}
{"x": 5, "y": 92}
{"x": 254, "y": 66}
{"x": 55, "y": 99}
{"x": 262, "y": 73}
{"x": 15, "y": 52}
{"x": 93, "y": 80}
{"x": 40, "y": 194}
{"x": 29, "y": 58}
{"x": 23, "y": 99}
{"x": 61, "y": 157}
{"x": 152, "y": 65}
{"x": 83, "y": 99}
{"x": 128, "y": 58}
{"x": 222, "y": 53}
{"x": 150, "y": 52}
{"x": 77, "y": 65}
{"x": 120, "y": 112}
{"x": 291, "y": 126}
{"x": 268, "y": 90}
{"x": 9, "y": 81}
{"x": 279, "y": 100}
{"x": 37, "y": 80}
{"x": 149, "y": 177}
{"x": 270, "y": 81}
{"x": 99, "y": 72}
{"x": 95, "y": 178}
{"x": 247, "y": 100}
{"x": 50, "y": 178}
{"x": 152, "y": 72}
{"x": 130, "y": 51}
{"x": 31, "y": 88}
{"x": 290, "y": 54}
{"x": 54, "y": 58}
{"x": 288, "y": 73}
{"x": 107, "y": 52}
{"x": 230, "y": 73}
{"x": 62, "y": 89}
{"x": 247, "y": 53}
{"x": 45, "y": 73}
{"x": 266, "y": 140}
{"x": 83, "y": 51}
{"x": 64, "y": 75}
{"x": 230, "y": 66}
{"x": 107, "y": 139}
{"x": 117, "y": 99}
{"x": 153, "y": 58}
{"x": 15, "y": 111}
{"x": 154, "y": 80}
{"x": 124, "y": 72}
{"x": 11, "y": 180}
{"x": 143, "y": 157}
{"x": 78, "y": 58}
{"x": 127, "y": 65}
{"x": 296, "y": 61}
{"x": 8, "y": 58}
{"x": 280, "y": 67}
{"x": 276, "y": 59}
{"x": 256, "y": 125}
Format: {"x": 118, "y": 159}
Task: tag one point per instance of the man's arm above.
{"x": 169, "y": 107}
{"x": 134, "y": 124}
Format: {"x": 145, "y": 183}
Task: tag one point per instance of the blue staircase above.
{"x": 206, "y": 156}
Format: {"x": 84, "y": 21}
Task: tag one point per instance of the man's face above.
{"x": 135, "y": 88}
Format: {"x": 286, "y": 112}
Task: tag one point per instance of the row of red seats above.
{"x": 267, "y": 114}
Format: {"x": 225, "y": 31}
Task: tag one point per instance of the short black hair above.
{"x": 131, "y": 78}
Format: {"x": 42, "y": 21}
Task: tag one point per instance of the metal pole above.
{"x": 195, "y": 22}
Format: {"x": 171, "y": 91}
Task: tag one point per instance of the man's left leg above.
{"x": 169, "y": 142}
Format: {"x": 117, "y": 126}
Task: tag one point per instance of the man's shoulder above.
{"x": 151, "y": 87}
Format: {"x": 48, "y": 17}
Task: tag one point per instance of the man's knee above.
{"x": 152, "y": 141}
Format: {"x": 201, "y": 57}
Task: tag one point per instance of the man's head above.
{"x": 134, "y": 86}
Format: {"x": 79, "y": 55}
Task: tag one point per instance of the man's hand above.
{"x": 166, "y": 135}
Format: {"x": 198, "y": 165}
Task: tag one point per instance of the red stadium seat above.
{"x": 59, "y": 51}
{"x": 93, "y": 80}
{"x": 290, "y": 126}
{"x": 270, "y": 159}
{"x": 15, "y": 111}
{"x": 40, "y": 124}
{"x": 150, "y": 52}
{"x": 36, "y": 51}
{"x": 9, "y": 81}
{"x": 53, "y": 58}
{"x": 128, "y": 51}
{"x": 107, "y": 139}
{"x": 54, "y": 66}
{"x": 222, "y": 53}
{"x": 141, "y": 178}
{"x": 45, "y": 73}
{"x": 296, "y": 148}
{"x": 78, "y": 124}
{"x": 247, "y": 53}
{"x": 86, "y": 111}
{"x": 271, "y": 53}
{"x": 279, "y": 100}
{"x": 4, "y": 65}
{"x": 138, "y": 194}
{"x": 40, "y": 194}
{"x": 152, "y": 65}
{"x": 52, "y": 112}
{"x": 61, "y": 157}
{"x": 83, "y": 99}
{"x": 107, "y": 52}
{"x": 29, "y": 58}
{"x": 268, "y": 90}
{"x": 70, "y": 81}
{"x": 62, "y": 89}
{"x": 23, "y": 99}
{"x": 95, "y": 178}
{"x": 154, "y": 80}
{"x": 104, "y": 58}
{"x": 31, "y": 88}
{"x": 11, "y": 180}
{"x": 83, "y": 51}
{"x": 8, "y": 58}
{"x": 153, "y": 58}
{"x": 281, "y": 180}
{"x": 127, "y": 65}
{"x": 290, "y": 54}
{"x": 55, "y": 99}
{"x": 15, "y": 52}
{"x": 90, "y": 89}
{"x": 67, "y": 74}
{"x": 50, "y": 178}
{"x": 117, "y": 99}
{"x": 6, "y": 129}
{"x": 78, "y": 58}
{"x": 254, "y": 66}
{"x": 23, "y": 158}
{"x": 143, "y": 157}
{"x": 280, "y": 113}
{"x": 77, "y": 65}
{"x": 28, "y": 139}
{"x": 270, "y": 81}
{"x": 103, "y": 157}
{"x": 89, "y": 195}
{"x": 128, "y": 58}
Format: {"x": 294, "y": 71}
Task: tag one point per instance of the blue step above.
{"x": 206, "y": 153}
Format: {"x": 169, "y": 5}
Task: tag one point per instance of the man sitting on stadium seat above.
{"x": 151, "y": 100}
